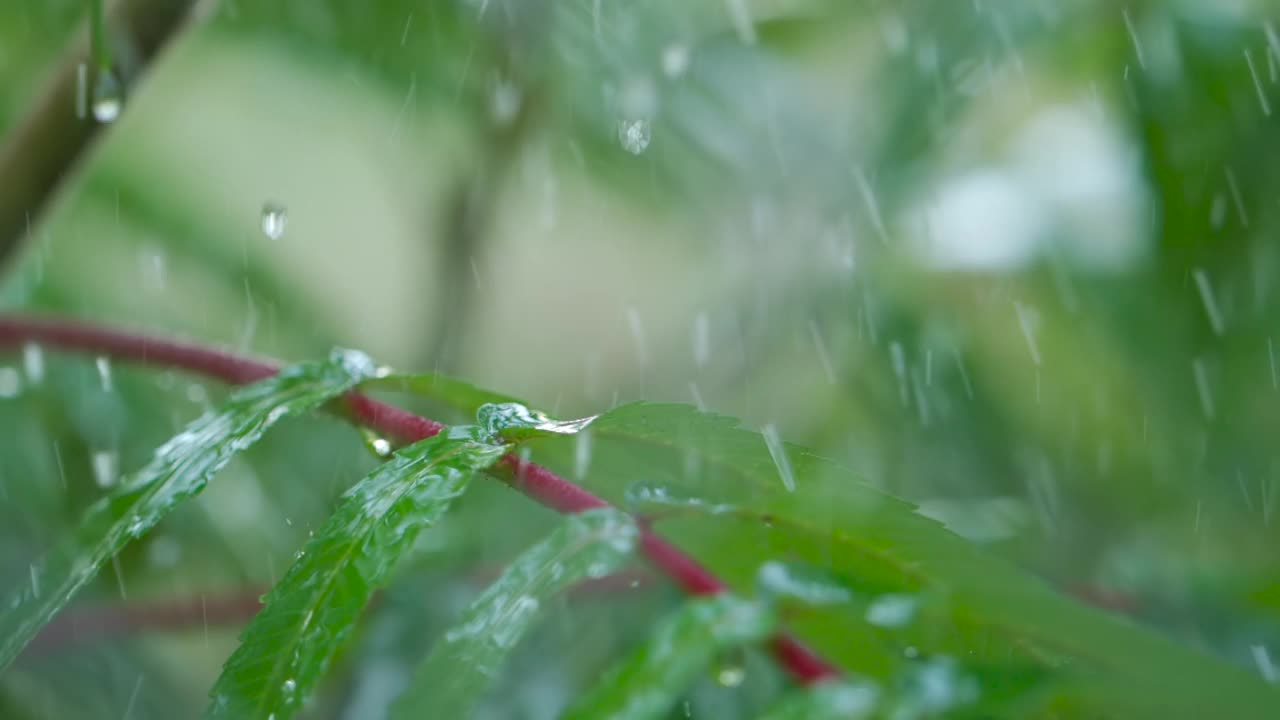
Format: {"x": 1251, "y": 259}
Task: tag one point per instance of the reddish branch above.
{"x": 533, "y": 480}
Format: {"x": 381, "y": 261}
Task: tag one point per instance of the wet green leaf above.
{"x": 724, "y": 488}
{"x": 462, "y": 664}
{"x": 648, "y": 683}
{"x": 180, "y": 470}
{"x": 311, "y": 612}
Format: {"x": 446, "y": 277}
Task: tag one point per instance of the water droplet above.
{"x": 381, "y": 446}
{"x": 634, "y": 135}
{"x": 731, "y": 670}
{"x": 106, "y": 468}
{"x": 289, "y": 687}
{"x": 675, "y": 60}
{"x": 274, "y": 218}
{"x": 108, "y": 96}
{"x": 10, "y": 383}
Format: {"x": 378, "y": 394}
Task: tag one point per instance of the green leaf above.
{"x": 311, "y": 612}
{"x": 180, "y": 469}
{"x": 459, "y": 668}
{"x": 648, "y": 683}
{"x": 839, "y": 700}
{"x": 741, "y": 488}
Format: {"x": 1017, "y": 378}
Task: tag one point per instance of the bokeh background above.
{"x": 1013, "y": 260}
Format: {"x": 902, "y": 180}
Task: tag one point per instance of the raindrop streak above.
{"x": 1206, "y": 297}
{"x": 33, "y": 363}
{"x": 743, "y": 24}
{"x": 1257, "y": 84}
{"x": 701, "y": 339}
{"x": 1133, "y": 36}
{"x": 1271, "y": 356}
{"x": 274, "y": 218}
{"x": 1202, "y": 387}
{"x": 106, "y": 468}
{"x": 634, "y": 135}
{"x": 104, "y": 373}
{"x": 1263, "y": 660}
{"x": 779, "y": 453}
{"x": 637, "y": 335}
{"x": 10, "y": 383}
{"x": 823, "y": 356}
{"x": 1028, "y": 332}
{"x": 108, "y": 96}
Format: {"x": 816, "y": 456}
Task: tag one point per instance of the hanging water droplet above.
{"x": 731, "y": 670}
{"x": 381, "y": 446}
{"x": 274, "y": 218}
{"x": 106, "y": 464}
{"x": 634, "y": 135}
{"x": 108, "y": 96}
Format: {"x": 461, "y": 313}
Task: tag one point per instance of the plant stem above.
{"x": 533, "y": 480}
{"x": 46, "y": 144}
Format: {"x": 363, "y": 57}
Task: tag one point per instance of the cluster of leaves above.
{"x": 852, "y": 566}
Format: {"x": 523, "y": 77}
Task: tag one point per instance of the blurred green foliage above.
{"x": 1011, "y": 260}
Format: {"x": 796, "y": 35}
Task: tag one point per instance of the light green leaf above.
{"x": 648, "y": 683}
{"x": 310, "y": 613}
{"x": 179, "y": 470}
{"x": 460, "y": 666}
{"x": 838, "y": 700}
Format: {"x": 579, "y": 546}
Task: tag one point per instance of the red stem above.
{"x": 533, "y": 480}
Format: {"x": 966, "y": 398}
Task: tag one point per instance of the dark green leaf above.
{"x": 464, "y": 662}
{"x": 310, "y": 613}
{"x": 180, "y": 469}
{"x": 650, "y": 681}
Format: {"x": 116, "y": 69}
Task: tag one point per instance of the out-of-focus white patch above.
{"x": 1070, "y": 185}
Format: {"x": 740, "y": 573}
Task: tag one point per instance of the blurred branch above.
{"x": 233, "y": 609}
{"x": 469, "y": 215}
{"x": 47, "y": 144}
{"x": 97, "y": 622}
{"x": 535, "y": 481}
